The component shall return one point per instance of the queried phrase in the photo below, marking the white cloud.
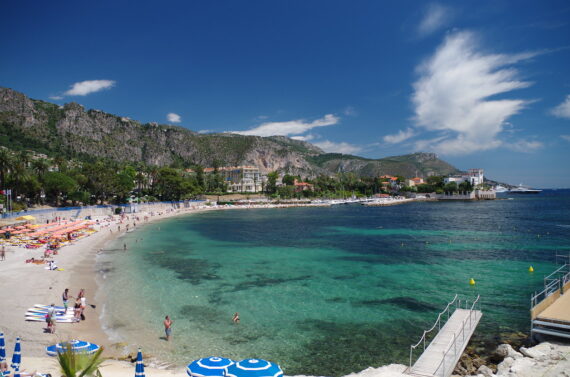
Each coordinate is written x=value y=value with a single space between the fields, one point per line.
x=399 y=137
x=206 y=131
x=562 y=110
x=56 y=98
x=524 y=146
x=292 y=127
x=84 y=88
x=342 y=147
x=307 y=137
x=452 y=94
x=434 y=18
x=565 y=137
x=173 y=118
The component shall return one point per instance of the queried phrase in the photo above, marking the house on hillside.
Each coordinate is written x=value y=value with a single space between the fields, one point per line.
x=414 y=181
x=302 y=186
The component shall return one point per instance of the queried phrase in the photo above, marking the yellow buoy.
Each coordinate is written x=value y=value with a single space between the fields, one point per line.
x=530 y=269
x=472 y=281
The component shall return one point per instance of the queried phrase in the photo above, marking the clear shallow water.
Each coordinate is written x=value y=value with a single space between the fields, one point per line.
x=328 y=291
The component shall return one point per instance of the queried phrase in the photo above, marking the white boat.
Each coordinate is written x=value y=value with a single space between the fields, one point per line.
x=524 y=190
x=500 y=188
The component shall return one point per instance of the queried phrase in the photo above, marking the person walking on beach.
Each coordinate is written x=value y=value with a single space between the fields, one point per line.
x=50 y=319
x=3 y=253
x=65 y=298
x=168 y=327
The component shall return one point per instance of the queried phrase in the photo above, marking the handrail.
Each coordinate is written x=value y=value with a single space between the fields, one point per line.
x=437 y=321
x=456 y=335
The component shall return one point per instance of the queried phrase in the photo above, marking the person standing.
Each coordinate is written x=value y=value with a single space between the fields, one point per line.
x=50 y=319
x=3 y=253
x=65 y=298
x=168 y=327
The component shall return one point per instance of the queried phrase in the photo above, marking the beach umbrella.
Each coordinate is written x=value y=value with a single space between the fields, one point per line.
x=2 y=348
x=16 y=358
x=253 y=368
x=77 y=346
x=208 y=367
x=139 y=369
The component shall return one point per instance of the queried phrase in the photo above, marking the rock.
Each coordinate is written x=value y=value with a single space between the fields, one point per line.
x=485 y=371
x=504 y=367
x=533 y=353
x=506 y=350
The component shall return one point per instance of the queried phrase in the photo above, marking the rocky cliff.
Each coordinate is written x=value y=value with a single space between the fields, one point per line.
x=76 y=132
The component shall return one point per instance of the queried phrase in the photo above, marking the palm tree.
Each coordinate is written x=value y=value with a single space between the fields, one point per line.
x=74 y=364
x=6 y=164
x=40 y=166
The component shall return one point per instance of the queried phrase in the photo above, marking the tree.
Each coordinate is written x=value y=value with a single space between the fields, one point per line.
x=200 y=177
x=465 y=186
x=450 y=187
x=288 y=180
x=271 y=186
x=74 y=364
x=435 y=180
x=58 y=184
x=6 y=164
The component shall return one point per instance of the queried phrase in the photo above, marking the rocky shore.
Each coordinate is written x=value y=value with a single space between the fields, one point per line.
x=547 y=359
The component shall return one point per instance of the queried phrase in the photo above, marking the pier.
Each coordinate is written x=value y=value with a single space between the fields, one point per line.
x=550 y=308
x=449 y=339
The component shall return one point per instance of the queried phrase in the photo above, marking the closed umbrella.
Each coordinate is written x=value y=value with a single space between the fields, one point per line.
x=254 y=368
x=16 y=358
x=2 y=348
x=208 y=367
x=77 y=346
x=139 y=368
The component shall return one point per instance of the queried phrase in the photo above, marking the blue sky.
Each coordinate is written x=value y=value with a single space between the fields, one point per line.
x=481 y=83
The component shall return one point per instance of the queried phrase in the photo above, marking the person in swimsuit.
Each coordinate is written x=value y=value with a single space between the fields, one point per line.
x=236 y=317
x=168 y=327
x=77 y=309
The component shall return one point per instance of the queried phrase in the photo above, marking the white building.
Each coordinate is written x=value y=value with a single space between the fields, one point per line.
x=474 y=176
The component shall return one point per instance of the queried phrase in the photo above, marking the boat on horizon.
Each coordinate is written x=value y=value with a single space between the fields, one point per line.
x=524 y=190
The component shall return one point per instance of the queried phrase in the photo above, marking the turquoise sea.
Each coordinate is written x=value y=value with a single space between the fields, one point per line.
x=328 y=291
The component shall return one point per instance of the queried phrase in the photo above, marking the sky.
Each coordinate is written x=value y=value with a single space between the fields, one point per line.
x=484 y=84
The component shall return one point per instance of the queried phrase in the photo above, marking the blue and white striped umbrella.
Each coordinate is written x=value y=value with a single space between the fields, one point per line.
x=208 y=367
x=77 y=346
x=253 y=368
x=2 y=348
x=139 y=368
x=16 y=358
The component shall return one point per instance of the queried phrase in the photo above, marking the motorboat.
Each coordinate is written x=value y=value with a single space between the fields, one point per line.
x=524 y=190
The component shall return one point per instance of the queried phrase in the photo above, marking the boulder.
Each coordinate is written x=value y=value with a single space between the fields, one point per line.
x=506 y=350
x=485 y=371
x=533 y=353
x=504 y=367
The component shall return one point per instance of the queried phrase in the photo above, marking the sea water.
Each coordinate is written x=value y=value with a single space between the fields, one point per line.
x=328 y=291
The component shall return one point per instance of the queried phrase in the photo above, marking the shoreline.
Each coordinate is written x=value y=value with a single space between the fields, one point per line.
x=81 y=271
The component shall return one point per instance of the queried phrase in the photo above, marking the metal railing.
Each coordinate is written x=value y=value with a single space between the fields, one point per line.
x=459 y=336
x=552 y=284
x=437 y=323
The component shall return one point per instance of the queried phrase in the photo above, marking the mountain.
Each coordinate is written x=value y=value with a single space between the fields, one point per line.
x=75 y=132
